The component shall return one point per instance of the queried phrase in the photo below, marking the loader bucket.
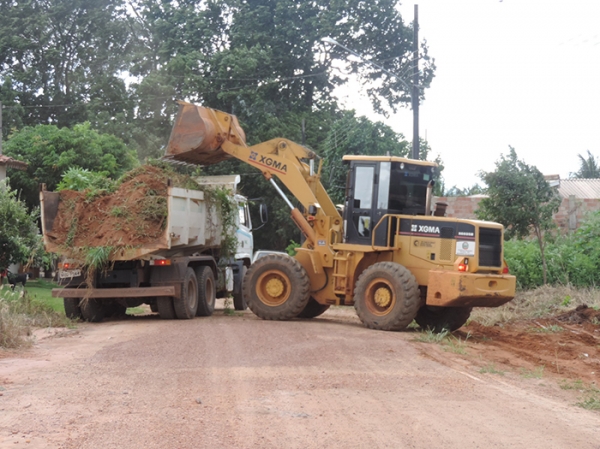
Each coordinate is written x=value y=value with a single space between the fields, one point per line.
x=198 y=133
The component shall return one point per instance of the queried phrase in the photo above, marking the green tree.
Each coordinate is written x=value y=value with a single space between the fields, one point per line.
x=352 y=135
x=521 y=199
x=50 y=151
x=588 y=168
x=18 y=229
x=59 y=55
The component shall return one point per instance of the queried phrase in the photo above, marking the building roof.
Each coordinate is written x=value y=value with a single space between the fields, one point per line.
x=579 y=188
x=12 y=163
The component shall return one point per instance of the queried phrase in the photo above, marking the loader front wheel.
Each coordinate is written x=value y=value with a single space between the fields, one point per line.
x=438 y=319
x=313 y=309
x=187 y=304
x=276 y=287
x=386 y=297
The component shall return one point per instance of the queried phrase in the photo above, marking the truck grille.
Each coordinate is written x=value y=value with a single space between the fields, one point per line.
x=490 y=247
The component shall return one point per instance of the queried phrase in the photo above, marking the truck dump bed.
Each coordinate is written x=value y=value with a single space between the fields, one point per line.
x=191 y=224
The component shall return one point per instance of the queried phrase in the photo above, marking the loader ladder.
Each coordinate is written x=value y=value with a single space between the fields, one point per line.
x=342 y=267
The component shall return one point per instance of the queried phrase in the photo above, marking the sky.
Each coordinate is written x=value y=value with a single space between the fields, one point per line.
x=524 y=73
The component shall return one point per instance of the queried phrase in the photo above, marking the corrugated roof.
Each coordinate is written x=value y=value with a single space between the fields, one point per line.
x=580 y=188
x=12 y=163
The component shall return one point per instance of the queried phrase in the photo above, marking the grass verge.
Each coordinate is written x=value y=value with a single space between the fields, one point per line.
x=20 y=312
x=543 y=302
x=445 y=338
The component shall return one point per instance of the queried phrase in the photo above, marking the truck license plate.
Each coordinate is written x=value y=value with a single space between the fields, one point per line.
x=69 y=274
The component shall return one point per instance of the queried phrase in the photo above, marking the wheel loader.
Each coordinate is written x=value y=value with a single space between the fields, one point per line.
x=384 y=251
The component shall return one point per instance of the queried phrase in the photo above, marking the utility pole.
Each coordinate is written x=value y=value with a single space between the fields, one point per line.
x=415 y=85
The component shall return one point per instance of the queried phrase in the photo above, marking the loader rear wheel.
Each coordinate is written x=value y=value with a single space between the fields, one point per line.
x=187 y=304
x=386 y=297
x=239 y=302
x=437 y=319
x=93 y=310
x=207 y=293
x=276 y=287
x=72 y=308
x=313 y=309
x=164 y=305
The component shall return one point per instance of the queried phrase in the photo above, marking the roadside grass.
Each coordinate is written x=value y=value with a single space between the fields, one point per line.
x=491 y=369
x=20 y=312
x=40 y=290
x=535 y=373
x=445 y=338
x=590 y=393
x=543 y=302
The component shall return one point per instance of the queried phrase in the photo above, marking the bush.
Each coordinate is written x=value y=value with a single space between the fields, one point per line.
x=572 y=259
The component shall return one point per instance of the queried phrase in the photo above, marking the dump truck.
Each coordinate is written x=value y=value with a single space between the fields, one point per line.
x=179 y=274
x=385 y=252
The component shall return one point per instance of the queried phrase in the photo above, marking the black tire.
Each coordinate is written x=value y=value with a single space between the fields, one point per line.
x=116 y=310
x=72 y=308
x=276 y=287
x=239 y=302
x=164 y=305
x=93 y=310
x=437 y=319
x=313 y=309
x=207 y=291
x=187 y=304
x=386 y=297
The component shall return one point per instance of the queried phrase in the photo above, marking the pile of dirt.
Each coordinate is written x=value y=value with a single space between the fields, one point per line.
x=134 y=215
x=566 y=345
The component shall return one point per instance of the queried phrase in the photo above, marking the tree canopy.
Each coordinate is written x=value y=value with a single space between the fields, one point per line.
x=520 y=198
x=18 y=228
x=588 y=168
x=50 y=151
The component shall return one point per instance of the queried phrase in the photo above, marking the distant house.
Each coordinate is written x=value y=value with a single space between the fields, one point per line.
x=578 y=197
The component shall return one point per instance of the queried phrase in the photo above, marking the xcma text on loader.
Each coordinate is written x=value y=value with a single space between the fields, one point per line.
x=385 y=254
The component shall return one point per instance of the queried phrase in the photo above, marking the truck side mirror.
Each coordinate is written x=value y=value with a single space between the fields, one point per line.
x=264 y=215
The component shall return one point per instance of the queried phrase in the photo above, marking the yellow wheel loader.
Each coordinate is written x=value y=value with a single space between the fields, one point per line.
x=385 y=252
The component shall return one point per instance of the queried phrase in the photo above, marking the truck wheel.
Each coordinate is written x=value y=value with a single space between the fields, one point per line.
x=207 y=294
x=437 y=319
x=116 y=309
x=386 y=297
x=93 y=310
x=313 y=309
x=187 y=304
x=164 y=305
x=239 y=302
x=276 y=287
x=72 y=309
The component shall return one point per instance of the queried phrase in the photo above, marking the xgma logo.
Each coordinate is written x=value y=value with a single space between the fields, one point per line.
x=267 y=162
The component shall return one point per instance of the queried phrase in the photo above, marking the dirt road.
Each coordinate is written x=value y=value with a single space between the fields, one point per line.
x=240 y=382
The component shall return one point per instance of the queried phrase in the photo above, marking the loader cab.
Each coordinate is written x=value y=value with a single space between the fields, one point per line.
x=380 y=185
